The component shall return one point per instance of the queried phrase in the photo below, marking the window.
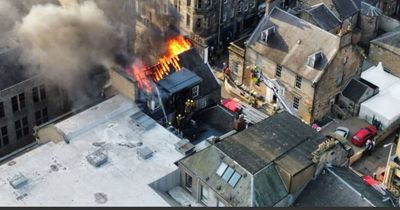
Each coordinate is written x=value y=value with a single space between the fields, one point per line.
x=221 y=169
x=195 y=91
x=199 y=2
x=267 y=33
x=298 y=81
x=187 y=20
x=21 y=128
x=2 y=114
x=188 y=2
x=18 y=102
x=278 y=72
x=188 y=181
x=4 y=136
x=41 y=116
x=296 y=103
x=204 y=194
x=228 y=173
x=234 y=179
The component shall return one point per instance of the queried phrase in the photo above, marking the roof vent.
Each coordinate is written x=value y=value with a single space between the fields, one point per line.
x=314 y=59
x=145 y=153
x=142 y=120
x=97 y=158
x=267 y=33
x=18 y=181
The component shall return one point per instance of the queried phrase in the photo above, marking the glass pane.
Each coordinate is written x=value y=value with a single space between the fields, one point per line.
x=221 y=169
x=228 y=173
x=235 y=179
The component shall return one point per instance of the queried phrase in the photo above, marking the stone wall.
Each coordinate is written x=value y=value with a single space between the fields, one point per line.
x=389 y=59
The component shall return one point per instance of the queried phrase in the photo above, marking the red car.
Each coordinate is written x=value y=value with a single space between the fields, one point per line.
x=362 y=135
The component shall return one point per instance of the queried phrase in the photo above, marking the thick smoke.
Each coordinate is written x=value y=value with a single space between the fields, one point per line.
x=69 y=45
x=8 y=15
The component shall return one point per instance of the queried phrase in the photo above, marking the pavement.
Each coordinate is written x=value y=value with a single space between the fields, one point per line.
x=353 y=124
x=368 y=165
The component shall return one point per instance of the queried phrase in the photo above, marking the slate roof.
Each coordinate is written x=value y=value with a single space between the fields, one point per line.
x=355 y=90
x=179 y=80
x=369 y=10
x=328 y=191
x=343 y=9
x=389 y=41
x=193 y=62
x=324 y=17
x=11 y=71
x=279 y=141
x=281 y=138
x=293 y=42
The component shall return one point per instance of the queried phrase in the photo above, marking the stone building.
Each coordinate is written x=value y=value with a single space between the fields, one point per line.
x=312 y=65
x=386 y=49
x=390 y=7
x=26 y=101
x=213 y=24
x=254 y=168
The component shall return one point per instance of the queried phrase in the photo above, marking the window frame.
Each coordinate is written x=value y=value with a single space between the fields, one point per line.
x=196 y=91
x=2 y=111
x=188 y=179
x=298 y=82
x=296 y=103
x=278 y=71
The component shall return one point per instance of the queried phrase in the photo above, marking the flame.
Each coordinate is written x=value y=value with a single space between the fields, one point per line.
x=139 y=73
x=175 y=46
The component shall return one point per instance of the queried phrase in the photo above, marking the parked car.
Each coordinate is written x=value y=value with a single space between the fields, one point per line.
x=362 y=135
x=342 y=131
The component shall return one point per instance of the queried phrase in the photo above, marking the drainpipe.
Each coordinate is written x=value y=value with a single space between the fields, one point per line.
x=219 y=22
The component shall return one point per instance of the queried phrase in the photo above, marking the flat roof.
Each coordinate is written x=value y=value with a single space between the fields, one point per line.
x=59 y=175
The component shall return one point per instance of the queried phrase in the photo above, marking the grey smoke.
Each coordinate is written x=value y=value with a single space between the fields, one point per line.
x=67 y=44
x=8 y=15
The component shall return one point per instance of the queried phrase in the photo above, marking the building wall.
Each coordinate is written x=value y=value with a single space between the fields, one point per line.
x=345 y=65
x=288 y=79
x=215 y=23
x=389 y=59
x=54 y=103
x=390 y=7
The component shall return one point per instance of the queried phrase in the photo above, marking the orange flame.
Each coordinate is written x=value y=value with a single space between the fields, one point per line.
x=175 y=46
x=139 y=73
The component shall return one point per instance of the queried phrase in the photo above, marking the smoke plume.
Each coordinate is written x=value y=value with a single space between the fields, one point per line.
x=69 y=45
x=8 y=15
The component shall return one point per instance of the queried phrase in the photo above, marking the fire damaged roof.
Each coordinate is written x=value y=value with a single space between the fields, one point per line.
x=10 y=70
x=281 y=141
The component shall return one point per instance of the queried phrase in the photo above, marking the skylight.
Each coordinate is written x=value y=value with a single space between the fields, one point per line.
x=234 y=179
x=221 y=169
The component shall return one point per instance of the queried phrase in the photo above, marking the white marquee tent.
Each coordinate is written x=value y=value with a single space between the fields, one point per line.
x=385 y=106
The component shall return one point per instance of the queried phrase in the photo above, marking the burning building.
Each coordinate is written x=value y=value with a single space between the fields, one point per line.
x=174 y=89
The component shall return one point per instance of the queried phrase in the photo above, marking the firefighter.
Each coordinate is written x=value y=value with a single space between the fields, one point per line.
x=179 y=119
x=370 y=145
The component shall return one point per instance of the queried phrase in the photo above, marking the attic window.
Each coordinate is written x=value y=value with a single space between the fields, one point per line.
x=314 y=59
x=267 y=34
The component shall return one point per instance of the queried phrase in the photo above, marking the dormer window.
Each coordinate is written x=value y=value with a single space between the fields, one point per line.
x=315 y=59
x=267 y=33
